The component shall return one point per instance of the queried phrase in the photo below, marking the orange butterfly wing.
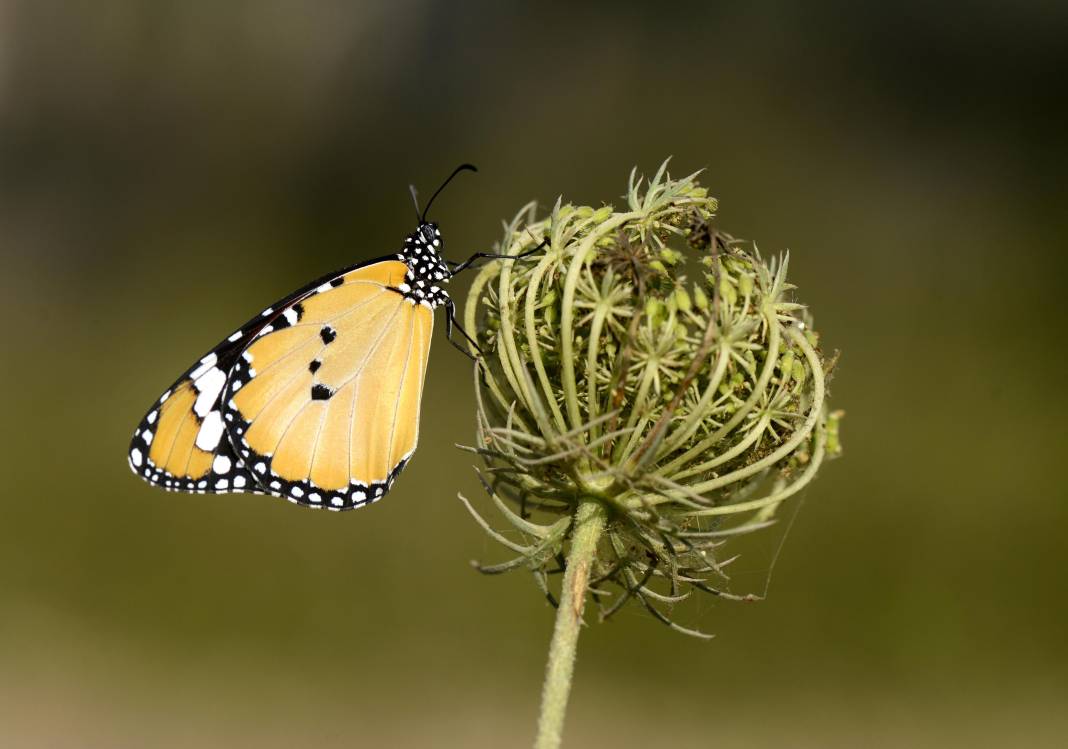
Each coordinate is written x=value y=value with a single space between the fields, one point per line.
x=323 y=406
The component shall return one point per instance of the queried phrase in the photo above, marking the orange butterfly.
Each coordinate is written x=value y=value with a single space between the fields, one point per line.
x=316 y=399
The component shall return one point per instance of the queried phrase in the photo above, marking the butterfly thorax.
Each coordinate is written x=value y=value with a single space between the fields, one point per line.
x=426 y=268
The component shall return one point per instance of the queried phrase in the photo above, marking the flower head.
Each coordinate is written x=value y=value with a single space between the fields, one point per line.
x=653 y=363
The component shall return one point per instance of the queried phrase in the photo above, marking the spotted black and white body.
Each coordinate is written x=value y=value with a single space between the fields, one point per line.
x=315 y=399
x=426 y=268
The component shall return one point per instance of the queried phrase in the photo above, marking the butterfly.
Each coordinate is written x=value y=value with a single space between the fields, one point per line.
x=316 y=399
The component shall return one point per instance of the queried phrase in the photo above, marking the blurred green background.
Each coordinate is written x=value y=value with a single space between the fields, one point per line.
x=167 y=169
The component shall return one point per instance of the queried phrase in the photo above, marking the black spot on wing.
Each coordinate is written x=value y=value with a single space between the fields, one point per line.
x=313 y=365
x=320 y=392
x=328 y=334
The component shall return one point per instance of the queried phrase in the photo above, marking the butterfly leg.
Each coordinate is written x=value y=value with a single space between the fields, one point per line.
x=493 y=255
x=450 y=321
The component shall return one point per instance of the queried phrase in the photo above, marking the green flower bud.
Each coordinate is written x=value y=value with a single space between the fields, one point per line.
x=602 y=383
x=745 y=284
x=682 y=299
x=654 y=310
x=602 y=213
x=669 y=256
x=700 y=299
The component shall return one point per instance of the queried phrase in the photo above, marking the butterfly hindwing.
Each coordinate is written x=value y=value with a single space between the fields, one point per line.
x=323 y=405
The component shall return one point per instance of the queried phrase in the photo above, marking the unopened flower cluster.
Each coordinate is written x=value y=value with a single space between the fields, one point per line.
x=644 y=358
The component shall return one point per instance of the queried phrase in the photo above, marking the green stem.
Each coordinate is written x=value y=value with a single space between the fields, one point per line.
x=589 y=525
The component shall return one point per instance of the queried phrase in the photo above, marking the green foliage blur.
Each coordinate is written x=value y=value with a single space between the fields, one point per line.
x=167 y=169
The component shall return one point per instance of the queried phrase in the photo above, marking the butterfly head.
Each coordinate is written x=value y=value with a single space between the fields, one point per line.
x=428 y=232
x=424 y=244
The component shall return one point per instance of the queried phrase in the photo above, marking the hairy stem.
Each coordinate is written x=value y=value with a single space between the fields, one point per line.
x=589 y=525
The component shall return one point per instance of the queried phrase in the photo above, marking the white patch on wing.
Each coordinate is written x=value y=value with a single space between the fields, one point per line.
x=234 y=337
x=208 y=387
x=205 y=364
x=239 y=481
x=290 y=315
x=135 y=456
x=210 y=432
x=221 y=464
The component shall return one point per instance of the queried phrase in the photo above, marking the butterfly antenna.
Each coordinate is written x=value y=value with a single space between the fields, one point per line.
x=457 y=170
x=415 y=202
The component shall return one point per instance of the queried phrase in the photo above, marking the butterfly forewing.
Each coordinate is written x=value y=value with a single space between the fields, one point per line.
x=181 y=442
x=323 y=405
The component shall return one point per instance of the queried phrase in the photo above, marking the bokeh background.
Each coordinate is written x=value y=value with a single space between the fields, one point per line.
x=167 y=169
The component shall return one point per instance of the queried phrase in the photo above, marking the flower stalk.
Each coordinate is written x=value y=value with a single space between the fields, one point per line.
x=589 y=524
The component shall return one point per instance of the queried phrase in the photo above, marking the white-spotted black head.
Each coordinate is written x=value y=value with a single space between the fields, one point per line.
x=429 y=232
